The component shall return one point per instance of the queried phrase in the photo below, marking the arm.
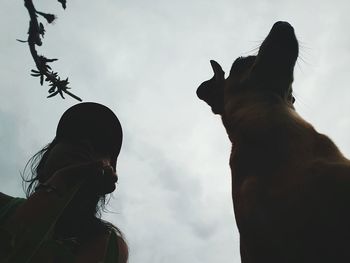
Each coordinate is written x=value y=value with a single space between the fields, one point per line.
x=34 y=221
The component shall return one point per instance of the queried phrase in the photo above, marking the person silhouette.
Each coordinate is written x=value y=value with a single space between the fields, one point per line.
x=66 y=192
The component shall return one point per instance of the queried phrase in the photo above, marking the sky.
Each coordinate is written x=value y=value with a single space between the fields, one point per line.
x=145 y=60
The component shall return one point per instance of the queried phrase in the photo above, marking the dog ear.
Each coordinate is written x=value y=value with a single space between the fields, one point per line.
x=212 y=91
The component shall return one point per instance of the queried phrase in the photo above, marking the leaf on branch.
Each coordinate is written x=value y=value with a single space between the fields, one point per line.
x=49 y=17
x=35 y=73
x=41 y=29
x=22 y=41
x=53 y=94
x=63 y=2
x=51 y=59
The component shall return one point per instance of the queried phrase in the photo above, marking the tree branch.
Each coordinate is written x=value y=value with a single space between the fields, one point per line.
x=43 y=70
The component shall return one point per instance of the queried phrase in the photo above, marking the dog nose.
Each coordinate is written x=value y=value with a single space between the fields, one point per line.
x=282 y=32
x=282 y=26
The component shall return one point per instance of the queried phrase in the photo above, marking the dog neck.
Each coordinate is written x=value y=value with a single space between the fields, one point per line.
x=263 y=130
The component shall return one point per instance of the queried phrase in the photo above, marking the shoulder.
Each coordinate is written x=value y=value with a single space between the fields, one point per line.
x=108 y=246
x=117 y=248
x=8 y=206
x=123 y=249
x=4 y=199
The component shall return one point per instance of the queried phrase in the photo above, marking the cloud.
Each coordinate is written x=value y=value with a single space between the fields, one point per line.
x=9 y=159
x=145 y=59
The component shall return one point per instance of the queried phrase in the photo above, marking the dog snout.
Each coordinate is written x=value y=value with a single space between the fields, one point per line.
x=282 y=24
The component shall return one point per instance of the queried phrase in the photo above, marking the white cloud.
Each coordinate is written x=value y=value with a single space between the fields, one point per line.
x=145 y=60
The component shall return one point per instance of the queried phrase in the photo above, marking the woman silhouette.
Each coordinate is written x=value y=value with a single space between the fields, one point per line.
x=70 y=178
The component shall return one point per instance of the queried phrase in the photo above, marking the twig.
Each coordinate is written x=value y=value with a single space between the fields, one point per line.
x=43 y=70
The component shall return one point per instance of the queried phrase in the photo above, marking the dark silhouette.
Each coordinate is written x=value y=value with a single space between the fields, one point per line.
x=66 y=190
x=290 y=184
x=43 y=70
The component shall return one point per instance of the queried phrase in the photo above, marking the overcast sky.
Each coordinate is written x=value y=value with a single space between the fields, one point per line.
x=145 y=59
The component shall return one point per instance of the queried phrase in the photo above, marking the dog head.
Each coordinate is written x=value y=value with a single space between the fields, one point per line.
x=269 y=72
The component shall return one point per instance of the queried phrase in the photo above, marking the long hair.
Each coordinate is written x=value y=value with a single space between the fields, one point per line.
x=36 y=175
x=85 y=122
x=33 y=174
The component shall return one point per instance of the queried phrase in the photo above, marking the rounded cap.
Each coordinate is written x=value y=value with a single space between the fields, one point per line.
x=92 y=122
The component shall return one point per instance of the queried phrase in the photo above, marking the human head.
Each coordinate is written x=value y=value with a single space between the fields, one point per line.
x=94 y=123
x=86 y=122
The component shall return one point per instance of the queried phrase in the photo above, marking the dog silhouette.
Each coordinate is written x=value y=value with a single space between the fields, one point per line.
x=290 y=184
